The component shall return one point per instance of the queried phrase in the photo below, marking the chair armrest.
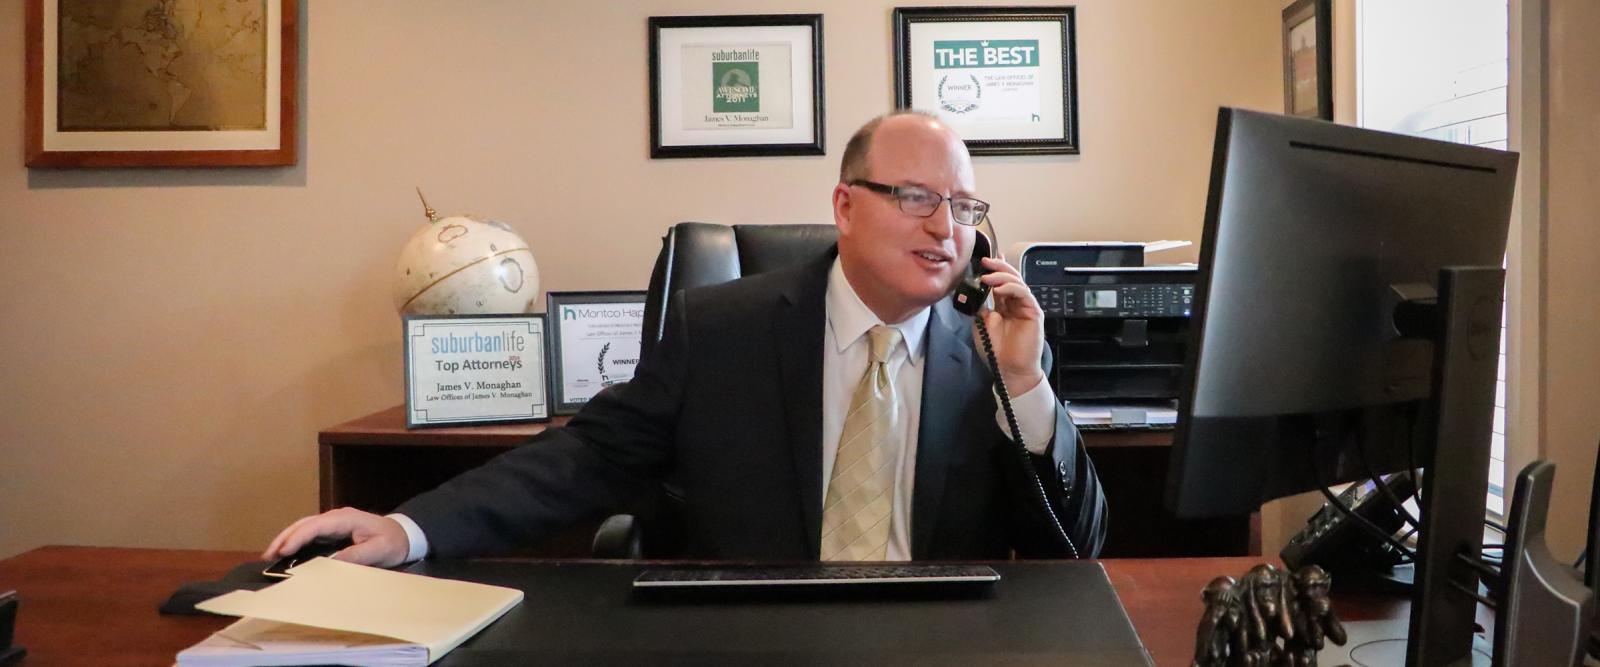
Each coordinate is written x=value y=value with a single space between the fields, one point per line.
x=9 y=654
x=618 y=538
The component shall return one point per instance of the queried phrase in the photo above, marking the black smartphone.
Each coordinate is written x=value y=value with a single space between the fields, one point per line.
x=279 y=569
x=970 y=292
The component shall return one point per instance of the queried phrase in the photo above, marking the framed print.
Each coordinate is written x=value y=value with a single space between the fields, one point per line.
x=474 y=369
x=161 y=83
x=1005 y=78
x=1308 y=59
x=732 y=86
x=594 y=343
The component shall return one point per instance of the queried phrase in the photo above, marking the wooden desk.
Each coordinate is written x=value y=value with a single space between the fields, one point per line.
x=374 y=463
x=97 y=606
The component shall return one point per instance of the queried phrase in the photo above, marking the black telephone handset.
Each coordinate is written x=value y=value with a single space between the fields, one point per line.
x=969 y=297
x=970 y=292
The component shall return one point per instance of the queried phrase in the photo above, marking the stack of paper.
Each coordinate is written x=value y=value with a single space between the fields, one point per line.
x=1158 y=246
x=252 y=641
x=331 y=611
x=1107 y=414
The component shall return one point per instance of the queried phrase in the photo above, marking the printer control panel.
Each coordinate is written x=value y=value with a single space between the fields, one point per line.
x=1142 y=301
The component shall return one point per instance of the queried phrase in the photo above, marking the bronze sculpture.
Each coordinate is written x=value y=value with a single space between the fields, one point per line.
x=1221 y=632
x=1266 y=601
x=1270 y=618
x=1313 y=616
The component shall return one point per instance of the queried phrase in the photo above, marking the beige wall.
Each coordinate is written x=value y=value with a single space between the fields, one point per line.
x=1571 y=313
x=172 y=340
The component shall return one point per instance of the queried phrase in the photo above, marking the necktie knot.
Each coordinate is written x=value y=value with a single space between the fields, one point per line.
x=883 y=339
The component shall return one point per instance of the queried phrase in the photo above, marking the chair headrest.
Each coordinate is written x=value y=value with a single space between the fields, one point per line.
x=764 y=248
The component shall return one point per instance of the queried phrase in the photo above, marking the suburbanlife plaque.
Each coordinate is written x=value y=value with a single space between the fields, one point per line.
x=737 y=86
x=475 y=369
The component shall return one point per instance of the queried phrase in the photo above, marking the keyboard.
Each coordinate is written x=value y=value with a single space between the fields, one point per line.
x=882 y=580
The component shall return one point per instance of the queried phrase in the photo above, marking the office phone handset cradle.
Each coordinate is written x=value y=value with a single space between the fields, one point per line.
x=969 y=297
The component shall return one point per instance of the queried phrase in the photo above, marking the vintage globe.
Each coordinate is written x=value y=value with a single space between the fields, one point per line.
x=464 y=265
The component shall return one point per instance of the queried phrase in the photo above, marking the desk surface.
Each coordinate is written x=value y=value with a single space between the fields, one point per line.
x=84 y=605
x=582 y=613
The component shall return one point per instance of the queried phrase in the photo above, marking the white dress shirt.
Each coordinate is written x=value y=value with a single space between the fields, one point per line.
x=844 y=361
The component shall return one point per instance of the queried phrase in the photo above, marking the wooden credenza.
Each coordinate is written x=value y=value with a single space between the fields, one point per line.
x=374 y=463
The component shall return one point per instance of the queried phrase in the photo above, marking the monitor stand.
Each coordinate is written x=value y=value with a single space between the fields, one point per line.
x=1464 y=324
x=1545 y=613
x=1462 y=319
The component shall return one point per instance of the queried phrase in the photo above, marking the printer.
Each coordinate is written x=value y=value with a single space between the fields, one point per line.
x=1118 y=328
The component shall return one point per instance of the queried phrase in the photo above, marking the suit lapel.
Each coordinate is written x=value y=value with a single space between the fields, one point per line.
x=798 y=334
x=945 y=382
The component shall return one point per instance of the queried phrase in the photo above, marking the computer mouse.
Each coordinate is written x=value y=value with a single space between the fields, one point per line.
x=321 y=546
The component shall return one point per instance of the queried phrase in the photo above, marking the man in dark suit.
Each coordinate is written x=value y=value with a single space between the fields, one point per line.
x=838 y=410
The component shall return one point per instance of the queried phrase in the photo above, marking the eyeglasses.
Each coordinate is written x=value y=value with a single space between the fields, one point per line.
x=922 y=202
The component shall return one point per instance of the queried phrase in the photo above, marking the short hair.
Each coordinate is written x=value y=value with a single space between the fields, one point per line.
x=854 y=165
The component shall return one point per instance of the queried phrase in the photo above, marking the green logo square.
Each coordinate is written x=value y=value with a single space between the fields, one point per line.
x=735 y=86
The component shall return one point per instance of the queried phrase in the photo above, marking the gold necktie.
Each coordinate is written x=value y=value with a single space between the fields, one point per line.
x=855 y=515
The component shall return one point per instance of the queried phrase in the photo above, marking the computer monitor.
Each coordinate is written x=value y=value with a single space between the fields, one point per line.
x=1317 y=341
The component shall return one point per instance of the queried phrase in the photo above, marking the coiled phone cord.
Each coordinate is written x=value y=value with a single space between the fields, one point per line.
x=1016 y=436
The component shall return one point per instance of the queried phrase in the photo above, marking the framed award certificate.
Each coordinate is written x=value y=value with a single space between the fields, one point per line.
x=731 y=86
x=466 y=369
x=594 y=343
x=1004 y=78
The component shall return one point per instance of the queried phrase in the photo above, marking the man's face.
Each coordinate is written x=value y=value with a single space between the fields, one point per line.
x=900 y=263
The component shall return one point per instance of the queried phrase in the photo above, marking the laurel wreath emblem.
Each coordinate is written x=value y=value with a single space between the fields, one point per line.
x=962 y=108
x=600 y=364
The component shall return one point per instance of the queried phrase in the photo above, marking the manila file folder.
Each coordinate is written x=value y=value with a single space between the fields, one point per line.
x=438 y=614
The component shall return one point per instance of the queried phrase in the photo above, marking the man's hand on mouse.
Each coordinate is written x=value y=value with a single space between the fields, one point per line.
x=379 y=541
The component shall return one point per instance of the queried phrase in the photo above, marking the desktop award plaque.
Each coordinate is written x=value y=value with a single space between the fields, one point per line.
x=469 y=369
x=594 y=343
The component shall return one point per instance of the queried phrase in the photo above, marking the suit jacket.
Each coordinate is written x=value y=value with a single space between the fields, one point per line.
x=730 y=403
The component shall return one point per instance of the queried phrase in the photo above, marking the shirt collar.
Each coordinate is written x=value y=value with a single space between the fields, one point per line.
x=850 y=318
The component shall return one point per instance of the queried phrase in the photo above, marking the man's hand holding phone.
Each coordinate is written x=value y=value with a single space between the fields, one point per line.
x=1016 y=326
x=376 y=540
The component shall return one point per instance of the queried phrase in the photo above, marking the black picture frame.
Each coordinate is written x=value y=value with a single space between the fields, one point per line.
x=542 y=359
x=1320 y=12
x=560 y=402
x=663 y=140
x=906 y=96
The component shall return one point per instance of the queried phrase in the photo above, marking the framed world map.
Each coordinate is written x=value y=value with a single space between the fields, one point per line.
x=161 y=83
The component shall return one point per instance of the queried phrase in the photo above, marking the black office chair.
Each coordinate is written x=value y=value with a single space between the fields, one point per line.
x=694 y=254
